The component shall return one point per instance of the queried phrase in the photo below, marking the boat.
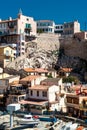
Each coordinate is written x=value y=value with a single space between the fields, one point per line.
x=28 y=120
x=74 y=126
x=48 y=119
x=66 y=126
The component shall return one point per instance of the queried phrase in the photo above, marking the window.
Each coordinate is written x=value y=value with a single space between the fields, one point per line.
x=27 y=25
x=46 y=29
x=44 y=94
x=11 y=51
x=69 y=100
x=15 y=30
x=22 y=43
x=22 y=48
x=14 y=99
x=31 y=93
x=7 y=53
x=21 y=98
x=27 y=19
x=22 y=53
x=37 y=93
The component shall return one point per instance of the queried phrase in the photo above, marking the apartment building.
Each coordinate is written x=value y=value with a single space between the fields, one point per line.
x=17 y=32
x=58 y=28
x=77 y=104
x=45 y=26
x=49 y=26
x=71 y=27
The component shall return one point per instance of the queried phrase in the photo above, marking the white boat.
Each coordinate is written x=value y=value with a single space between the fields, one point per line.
x=66 y=126
x=28 y=120
x=74 y=126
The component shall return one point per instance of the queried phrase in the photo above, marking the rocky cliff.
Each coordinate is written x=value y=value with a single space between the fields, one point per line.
x=42 y=53
x=74 y=47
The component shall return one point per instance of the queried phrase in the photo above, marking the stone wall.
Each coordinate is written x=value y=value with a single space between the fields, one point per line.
x=48 y=41
x=74 y=47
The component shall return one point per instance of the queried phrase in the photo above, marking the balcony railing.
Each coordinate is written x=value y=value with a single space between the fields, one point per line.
x=11 y=26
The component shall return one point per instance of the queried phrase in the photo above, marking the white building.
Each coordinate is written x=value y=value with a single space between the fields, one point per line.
x=18 y=31
x=43 y=97
x=45 y=26
x=58 y=28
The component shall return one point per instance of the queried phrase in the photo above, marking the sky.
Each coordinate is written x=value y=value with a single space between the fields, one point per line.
x=59 y=11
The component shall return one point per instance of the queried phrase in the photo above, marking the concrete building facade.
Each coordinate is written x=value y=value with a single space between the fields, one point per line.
x=71 y=27
x=45 y=26
x=18 y=31
x=58 y=28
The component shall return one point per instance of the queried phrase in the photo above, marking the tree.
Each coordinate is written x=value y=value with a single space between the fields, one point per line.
x=71 y=79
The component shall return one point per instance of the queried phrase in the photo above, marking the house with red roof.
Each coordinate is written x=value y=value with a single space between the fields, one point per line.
x=41 y=98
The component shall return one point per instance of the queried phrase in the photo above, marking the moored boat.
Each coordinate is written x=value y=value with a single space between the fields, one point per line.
x=28 y=120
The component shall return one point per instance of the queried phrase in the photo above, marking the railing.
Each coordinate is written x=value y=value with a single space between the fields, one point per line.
x=8 y=33
x=11 y=26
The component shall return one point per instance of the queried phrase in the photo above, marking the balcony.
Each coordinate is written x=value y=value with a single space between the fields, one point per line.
x=11 y=25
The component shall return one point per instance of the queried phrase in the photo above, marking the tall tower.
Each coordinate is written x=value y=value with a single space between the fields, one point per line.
x=20 y=13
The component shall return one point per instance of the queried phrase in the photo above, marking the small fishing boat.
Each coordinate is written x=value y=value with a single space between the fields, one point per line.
x=28 y=120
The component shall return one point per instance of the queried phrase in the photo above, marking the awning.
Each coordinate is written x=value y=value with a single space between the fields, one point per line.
x=41 y=103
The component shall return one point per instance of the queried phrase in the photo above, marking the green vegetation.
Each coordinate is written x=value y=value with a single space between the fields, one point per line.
x=71 y=79
x=49 y=76
x=39 y=31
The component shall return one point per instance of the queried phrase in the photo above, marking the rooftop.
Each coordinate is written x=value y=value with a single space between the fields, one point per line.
x=6 y=46
x=66 y=69
x=44 y=21
x=4 y=21
x=38 y=70
x=51 y=80
x=12 y=76
x=30 y=78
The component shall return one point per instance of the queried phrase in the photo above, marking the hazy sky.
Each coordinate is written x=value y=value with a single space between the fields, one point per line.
x=59 y=11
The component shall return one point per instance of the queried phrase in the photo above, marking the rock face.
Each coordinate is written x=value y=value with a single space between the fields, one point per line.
x=74 y=48
x=35 y=57
x=47 y=52
x=48 y=41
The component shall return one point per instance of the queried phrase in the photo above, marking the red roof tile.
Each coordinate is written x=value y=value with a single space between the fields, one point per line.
x=30 y=78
